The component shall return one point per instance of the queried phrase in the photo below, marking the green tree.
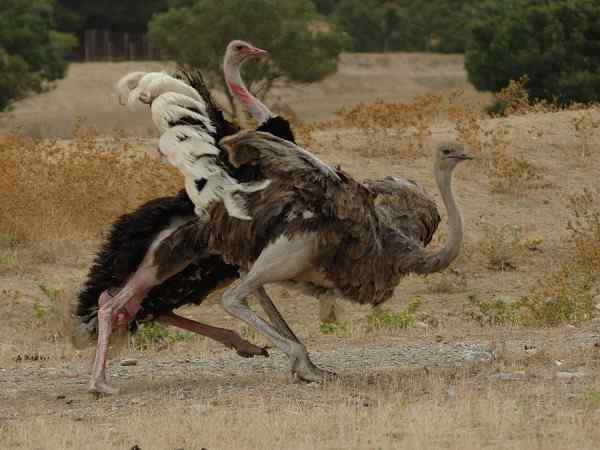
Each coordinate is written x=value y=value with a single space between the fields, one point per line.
x=407 y=25
x=301 y=46
x=556 y=43
x=32 y=53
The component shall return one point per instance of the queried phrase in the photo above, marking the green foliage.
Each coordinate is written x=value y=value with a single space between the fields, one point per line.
x=385 y=319
x=407 y=25
x=497 y=311
x=32 y=53
x=301 y=48
x=333 y=328
x=556 y=43
x=153 y=335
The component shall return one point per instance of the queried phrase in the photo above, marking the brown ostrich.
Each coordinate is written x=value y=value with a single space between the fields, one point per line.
x=308 y=225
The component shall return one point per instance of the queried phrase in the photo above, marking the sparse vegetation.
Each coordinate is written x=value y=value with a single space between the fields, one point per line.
x=497 y=311
x=154 y=336
x=569 y=294
x=388 y=320
x=448 y=282
x=502 y=246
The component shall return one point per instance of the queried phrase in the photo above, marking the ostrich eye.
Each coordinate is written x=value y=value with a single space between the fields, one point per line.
x=239 y=47
x=446 y=152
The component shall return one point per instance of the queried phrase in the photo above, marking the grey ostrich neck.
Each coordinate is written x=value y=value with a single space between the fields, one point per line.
x=441 y=259
x=238 y=89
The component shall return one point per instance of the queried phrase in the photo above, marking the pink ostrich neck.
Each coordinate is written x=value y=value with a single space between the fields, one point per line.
x=238 y=89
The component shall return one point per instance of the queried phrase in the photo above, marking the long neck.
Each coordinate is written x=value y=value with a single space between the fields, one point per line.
x=441 y=259
x=238 y=89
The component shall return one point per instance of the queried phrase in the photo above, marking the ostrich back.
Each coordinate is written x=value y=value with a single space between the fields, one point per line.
x=406 y=207
x=359 y=252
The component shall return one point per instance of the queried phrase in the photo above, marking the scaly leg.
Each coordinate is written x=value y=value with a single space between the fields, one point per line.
x=274 y=315
x=118 y=310
x=280 y=261
x=226 y=337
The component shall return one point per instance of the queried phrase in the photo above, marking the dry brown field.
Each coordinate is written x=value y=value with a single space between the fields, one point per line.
x=502 y=351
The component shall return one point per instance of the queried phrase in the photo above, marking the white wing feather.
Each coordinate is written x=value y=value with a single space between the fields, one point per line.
x=171 y=107
x=194 y=153
x=190 y=148
x=127 y=84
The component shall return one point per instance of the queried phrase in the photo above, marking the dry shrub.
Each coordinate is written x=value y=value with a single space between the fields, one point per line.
x=570 y=294
x=502 y=246
x=585 y=228
x=467 y=121
x=511 y=174
x=448 y=282
x=389 y=129
x=51 y=190
x=514 y=100
x=584 y=127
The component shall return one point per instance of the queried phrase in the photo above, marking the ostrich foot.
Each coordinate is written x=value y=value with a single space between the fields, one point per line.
x=250 y=351
x=101 y=387
x=303 y=369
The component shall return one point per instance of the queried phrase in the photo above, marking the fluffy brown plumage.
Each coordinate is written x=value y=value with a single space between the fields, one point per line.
x=361 y=229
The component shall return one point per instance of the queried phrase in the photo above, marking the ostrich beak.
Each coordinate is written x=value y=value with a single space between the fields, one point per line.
x=256 y=52
x=463 y=157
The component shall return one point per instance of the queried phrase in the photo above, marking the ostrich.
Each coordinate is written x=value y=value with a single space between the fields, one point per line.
x=308 y=226
x=134 y=234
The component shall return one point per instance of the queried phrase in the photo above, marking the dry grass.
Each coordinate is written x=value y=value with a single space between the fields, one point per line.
x=527 y=269
x=418 y=411
x=55 y=193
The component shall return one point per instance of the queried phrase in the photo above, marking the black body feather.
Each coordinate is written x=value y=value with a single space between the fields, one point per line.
x=123 y=251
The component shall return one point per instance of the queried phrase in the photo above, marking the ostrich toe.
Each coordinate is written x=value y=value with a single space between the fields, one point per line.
x=102 y=387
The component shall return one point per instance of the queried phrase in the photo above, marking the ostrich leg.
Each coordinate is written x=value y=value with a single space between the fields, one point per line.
x=273 y=313
x=119 y=310
x=226 y=337
x=283 y=260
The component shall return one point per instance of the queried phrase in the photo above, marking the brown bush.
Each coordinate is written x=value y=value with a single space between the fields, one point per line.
x=51 y=189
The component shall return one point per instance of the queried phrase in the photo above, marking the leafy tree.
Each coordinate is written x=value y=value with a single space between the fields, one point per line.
x=32 y=53
x=301 y=47
x=556 y=43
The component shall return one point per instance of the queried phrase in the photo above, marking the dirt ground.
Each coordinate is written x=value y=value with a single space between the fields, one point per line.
x=454 y=373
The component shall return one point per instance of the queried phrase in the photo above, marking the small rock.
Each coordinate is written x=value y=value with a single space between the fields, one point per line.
x=61 y=397
x=200 y=408
x=129 y=362
x=451 y=392
x=570 y=375
x=509 y=376
x=558 y=363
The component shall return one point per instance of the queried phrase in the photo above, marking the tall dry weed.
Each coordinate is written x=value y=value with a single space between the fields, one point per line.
x=55 y=191
x=570 y=293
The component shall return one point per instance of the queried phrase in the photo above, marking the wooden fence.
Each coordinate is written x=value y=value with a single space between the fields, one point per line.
x=105 y=45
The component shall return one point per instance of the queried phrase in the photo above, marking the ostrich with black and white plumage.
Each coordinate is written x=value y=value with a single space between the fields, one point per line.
x=133 y=235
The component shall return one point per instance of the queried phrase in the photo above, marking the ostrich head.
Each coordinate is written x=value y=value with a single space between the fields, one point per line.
x=238 y=52
x=448 y=155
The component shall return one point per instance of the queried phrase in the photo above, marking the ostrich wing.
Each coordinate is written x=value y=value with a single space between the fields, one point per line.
x=222 y=125
x=171 y=109
x=405 y=207
x=281 y=156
